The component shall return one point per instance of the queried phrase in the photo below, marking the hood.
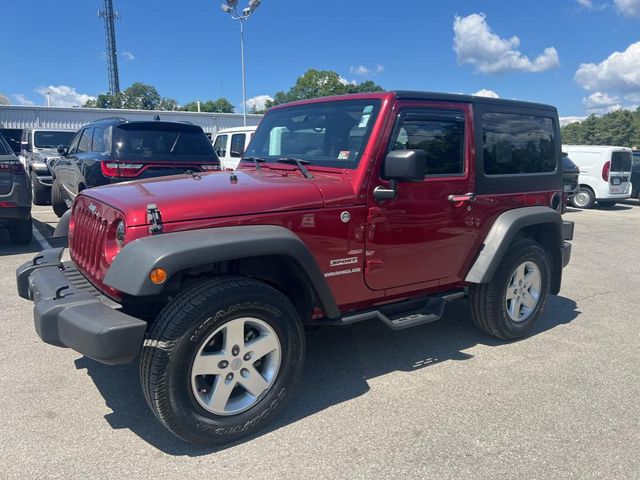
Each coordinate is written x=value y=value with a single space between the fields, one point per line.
x=45 y=153
x=225 y=194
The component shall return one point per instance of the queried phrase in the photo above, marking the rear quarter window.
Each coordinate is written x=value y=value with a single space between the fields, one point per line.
x=518 y=144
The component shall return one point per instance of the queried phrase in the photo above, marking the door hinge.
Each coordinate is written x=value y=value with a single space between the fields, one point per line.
x=154 y=218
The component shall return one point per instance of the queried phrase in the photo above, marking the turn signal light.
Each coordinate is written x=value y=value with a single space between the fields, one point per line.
x=158 y=276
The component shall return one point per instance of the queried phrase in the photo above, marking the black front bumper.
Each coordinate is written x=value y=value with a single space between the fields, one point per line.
x=70 y=312
x=567 y=234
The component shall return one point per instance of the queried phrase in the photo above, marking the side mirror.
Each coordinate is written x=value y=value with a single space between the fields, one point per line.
x=62 y=150
x=24 y=146
x=401 y=166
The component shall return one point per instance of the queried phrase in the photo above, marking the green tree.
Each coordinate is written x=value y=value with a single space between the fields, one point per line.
x=168 y=104
x=221 y=105
x=140 y=96
x=320 y=83
x=4 y=100
x=620 y=128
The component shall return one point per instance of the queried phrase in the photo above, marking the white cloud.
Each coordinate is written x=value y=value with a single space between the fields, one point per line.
x=588 y=4
x=618 y=73
x=258 y=102
x=629 y=8
x=475 y=44
x=570 y=119
x=344 y=81
x=364 y=71
x=22 y=99
x=600 y=102
x=64 y=96
x=128 y=55
x=486 y=93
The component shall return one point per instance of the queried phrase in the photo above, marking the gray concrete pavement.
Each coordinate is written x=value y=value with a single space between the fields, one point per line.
x=437 y=401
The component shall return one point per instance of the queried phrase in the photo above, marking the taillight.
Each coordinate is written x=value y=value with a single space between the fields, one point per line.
x=605 y=171
x=13 y=167
x=117 y=169
x=8 y=204
x=210 y=167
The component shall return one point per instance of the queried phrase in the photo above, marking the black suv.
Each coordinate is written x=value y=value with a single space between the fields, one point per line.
x=115 y=150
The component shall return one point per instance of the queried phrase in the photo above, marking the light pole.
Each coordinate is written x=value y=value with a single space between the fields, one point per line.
x=231 y=7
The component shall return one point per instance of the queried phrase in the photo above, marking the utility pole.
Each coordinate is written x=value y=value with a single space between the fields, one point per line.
x=110 y=16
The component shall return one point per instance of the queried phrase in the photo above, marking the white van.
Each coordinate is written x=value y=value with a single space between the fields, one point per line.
x=605 y=174
x=230 y=144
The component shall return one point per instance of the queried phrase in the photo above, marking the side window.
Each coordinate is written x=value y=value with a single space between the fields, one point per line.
x=518 y=144
x=85 y=141
x=439 y=133
x=73 y=144
x=220 y=146
x=237 y=144
x=101 y=140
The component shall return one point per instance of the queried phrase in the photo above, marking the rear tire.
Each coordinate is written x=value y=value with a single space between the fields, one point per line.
x=57 y=200
x=583 y=198
x=510 y=304
x=21 y=232
x=39 y=192
x=219 y=326
x=605 y=204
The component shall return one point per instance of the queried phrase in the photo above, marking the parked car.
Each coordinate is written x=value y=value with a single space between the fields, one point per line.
x=115 y=150
x=13 y=136
x=605 y=174
x=570 y=175
x=381 y=206
x=15 y=196
x=230 y=144
x=38 y=146
x=635 y=175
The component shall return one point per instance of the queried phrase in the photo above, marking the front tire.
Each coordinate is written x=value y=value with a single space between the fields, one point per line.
x=39 y=192
x=221 y=359
x=510 y=304
x=57 y=200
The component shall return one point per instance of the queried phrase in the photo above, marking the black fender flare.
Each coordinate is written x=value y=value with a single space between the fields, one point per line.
x=503 y=232
x=179 y=251
x=62 y=228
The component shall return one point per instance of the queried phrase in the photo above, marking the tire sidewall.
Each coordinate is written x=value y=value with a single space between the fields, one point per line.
x=201 y=423
x=586 y=191
x=533 y=253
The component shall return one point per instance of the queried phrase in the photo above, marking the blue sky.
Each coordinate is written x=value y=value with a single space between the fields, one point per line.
x=562 y=54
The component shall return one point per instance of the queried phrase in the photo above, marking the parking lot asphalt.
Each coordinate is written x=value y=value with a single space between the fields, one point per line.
x=437 y=401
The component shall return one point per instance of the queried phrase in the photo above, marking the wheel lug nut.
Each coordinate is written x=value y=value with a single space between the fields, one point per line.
x=247 y=356
x=244 y=372
x=235 y=350
x=223 y=364
x=229 y=377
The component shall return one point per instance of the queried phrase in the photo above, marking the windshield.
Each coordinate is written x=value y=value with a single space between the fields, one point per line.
x=329 y=134
x=163 y=142
x=51 y=139
x=12 y=136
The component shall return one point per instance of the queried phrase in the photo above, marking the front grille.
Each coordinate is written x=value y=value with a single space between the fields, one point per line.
x=87 y=242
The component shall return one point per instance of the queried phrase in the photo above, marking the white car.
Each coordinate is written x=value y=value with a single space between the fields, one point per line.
x=605 y=174
x=230 y=144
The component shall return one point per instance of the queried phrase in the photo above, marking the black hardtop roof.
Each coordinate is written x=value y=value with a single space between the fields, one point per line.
x=454 y=97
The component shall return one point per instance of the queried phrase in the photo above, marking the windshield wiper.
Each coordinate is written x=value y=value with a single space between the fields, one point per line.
x=256 y=160
x=299 y=163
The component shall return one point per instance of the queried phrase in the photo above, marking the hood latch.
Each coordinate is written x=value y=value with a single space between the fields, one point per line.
x=154 y=218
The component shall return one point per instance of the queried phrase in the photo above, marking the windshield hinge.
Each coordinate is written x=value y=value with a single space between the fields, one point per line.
x=154 y=218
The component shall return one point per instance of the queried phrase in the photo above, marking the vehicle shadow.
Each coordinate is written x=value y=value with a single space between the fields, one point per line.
x=331 y=375
x=615 y=208
x=7 y=248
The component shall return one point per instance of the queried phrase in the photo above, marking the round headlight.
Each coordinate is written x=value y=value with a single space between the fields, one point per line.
x=120 y=232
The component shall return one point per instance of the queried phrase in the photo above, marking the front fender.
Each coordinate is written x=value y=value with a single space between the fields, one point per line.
x=179 y=251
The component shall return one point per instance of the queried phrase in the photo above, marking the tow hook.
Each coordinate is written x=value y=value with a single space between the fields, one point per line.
x=154 y=218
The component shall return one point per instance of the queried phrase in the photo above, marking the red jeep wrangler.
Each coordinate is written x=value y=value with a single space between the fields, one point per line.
x=379 y=206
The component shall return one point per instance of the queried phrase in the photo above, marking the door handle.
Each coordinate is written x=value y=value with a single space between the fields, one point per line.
x=467 y=197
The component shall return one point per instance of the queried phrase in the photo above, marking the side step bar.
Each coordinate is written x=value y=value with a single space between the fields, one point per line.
x=405 y=314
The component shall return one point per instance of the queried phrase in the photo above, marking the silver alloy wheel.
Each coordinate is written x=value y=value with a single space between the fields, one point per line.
x=581 y=198
x=523 y=291
x=235 y=366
